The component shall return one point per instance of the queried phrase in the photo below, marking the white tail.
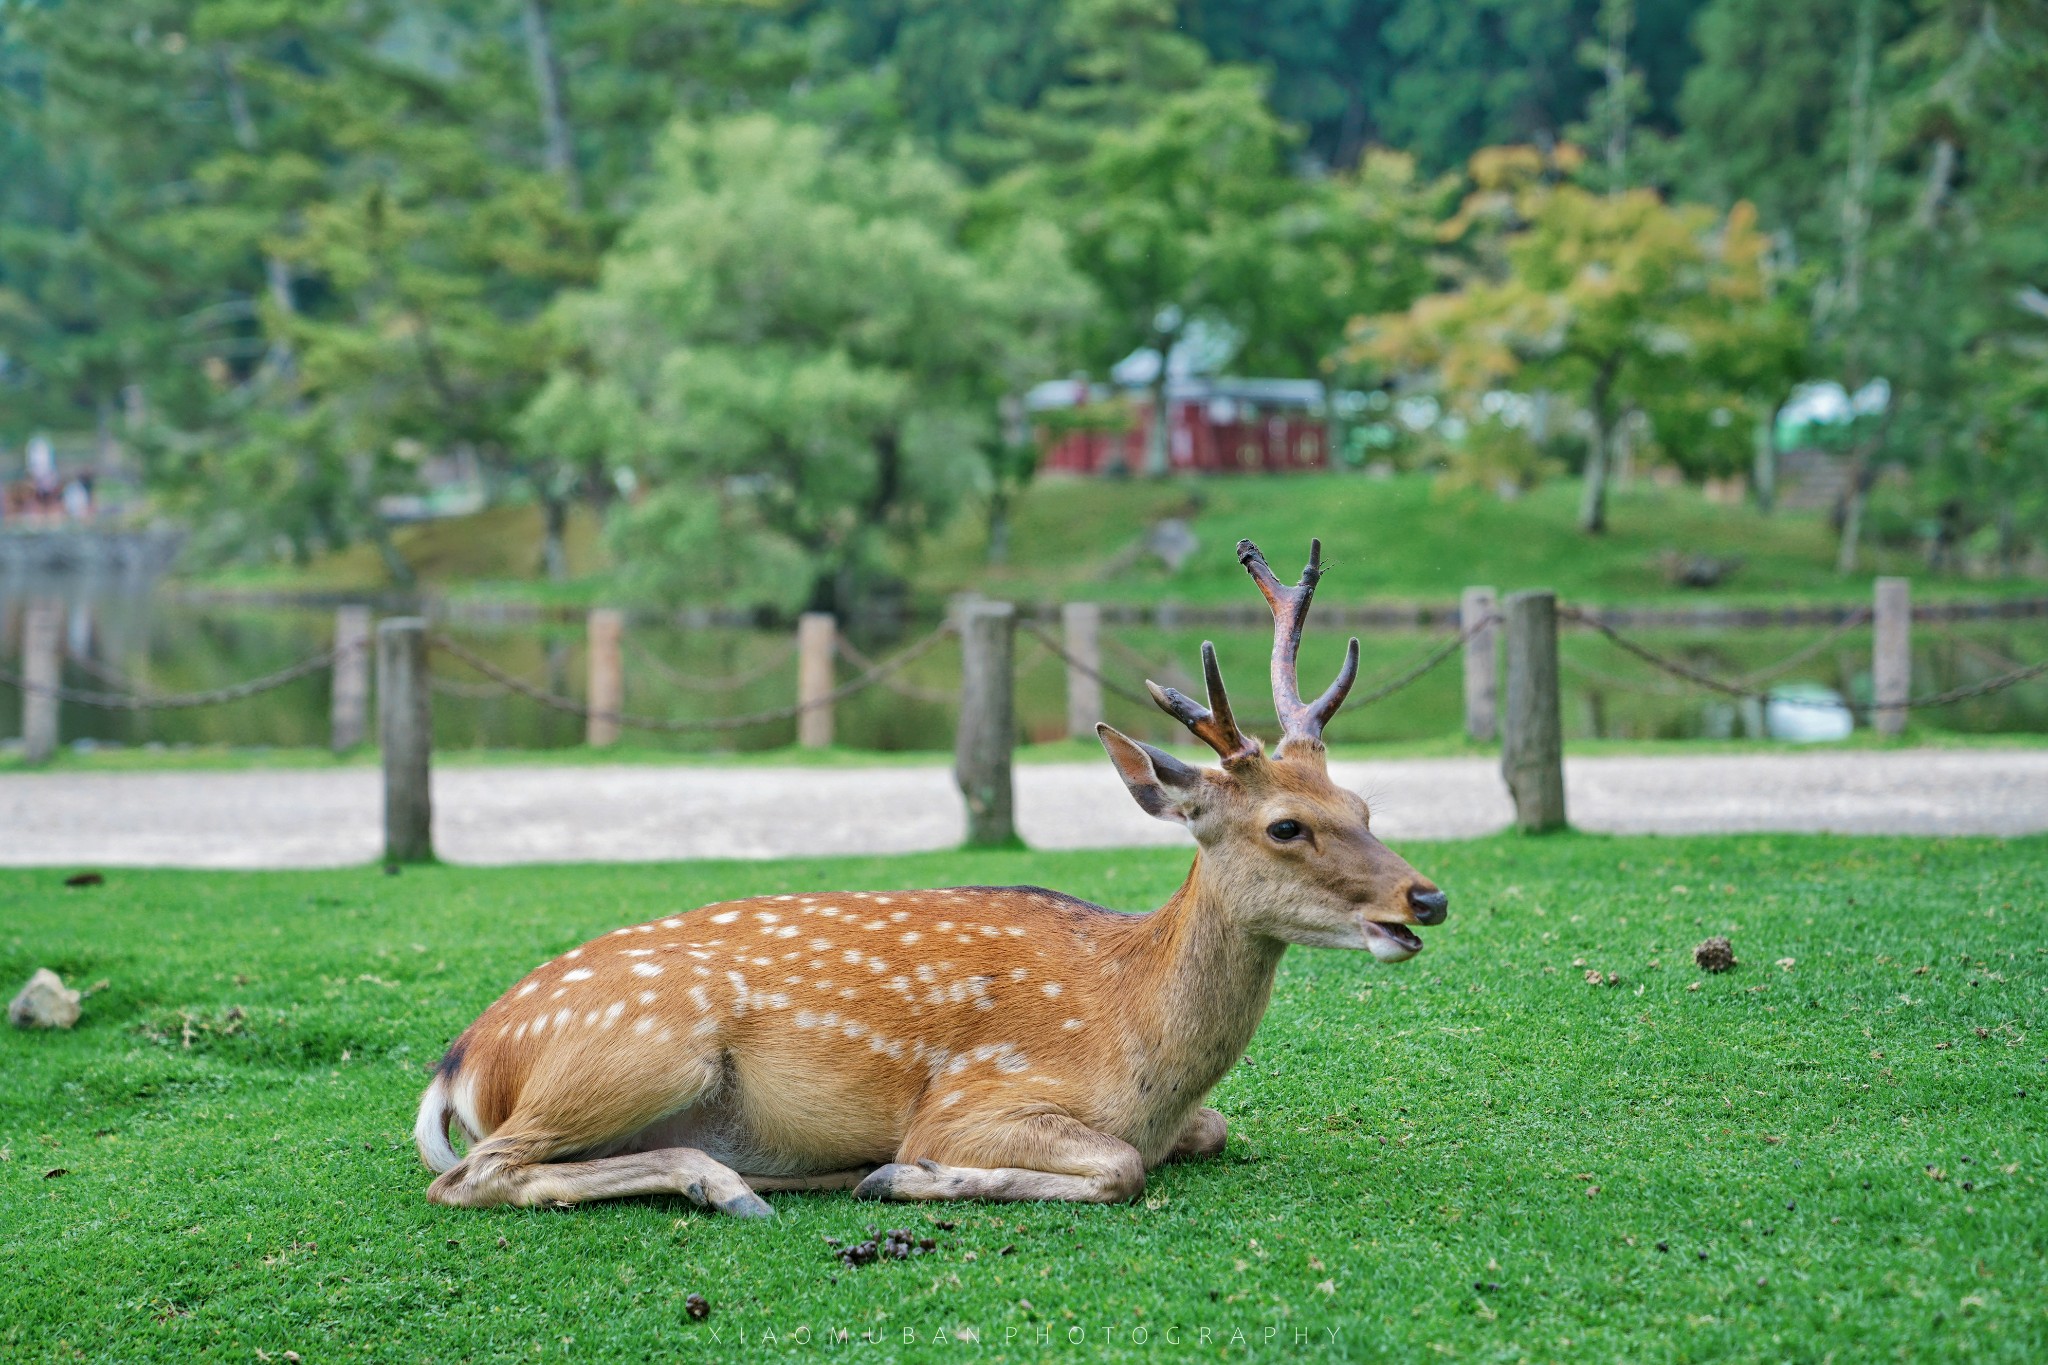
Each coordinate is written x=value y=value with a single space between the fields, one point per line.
x=979 y=1042
x=430 y=1129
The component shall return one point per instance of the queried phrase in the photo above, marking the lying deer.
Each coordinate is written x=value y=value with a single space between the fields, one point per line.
x=978 y=1043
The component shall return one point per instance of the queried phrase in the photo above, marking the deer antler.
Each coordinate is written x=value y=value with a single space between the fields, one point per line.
x=1298 y=719
x=1213 y=724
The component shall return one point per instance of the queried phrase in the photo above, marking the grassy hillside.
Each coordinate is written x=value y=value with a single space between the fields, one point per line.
x=1400 y=539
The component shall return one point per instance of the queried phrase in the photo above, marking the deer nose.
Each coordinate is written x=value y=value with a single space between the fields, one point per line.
x=1430 y=906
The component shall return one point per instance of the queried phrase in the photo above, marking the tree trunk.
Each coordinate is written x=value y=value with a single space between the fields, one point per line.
x=1764 y=474
x=1159 y=436
x=560 y=153
x=277 y=275
x=1853 y=498
x=387 y=550
x=554 y=545
x=999 y=527
x=1593 y=502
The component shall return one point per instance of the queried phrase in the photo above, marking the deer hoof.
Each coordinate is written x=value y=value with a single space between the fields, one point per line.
x=745 y=1204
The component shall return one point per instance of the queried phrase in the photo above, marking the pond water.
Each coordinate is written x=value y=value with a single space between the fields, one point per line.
x=159 y=643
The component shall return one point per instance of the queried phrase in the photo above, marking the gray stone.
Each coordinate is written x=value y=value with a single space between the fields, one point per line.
x=44 y=1003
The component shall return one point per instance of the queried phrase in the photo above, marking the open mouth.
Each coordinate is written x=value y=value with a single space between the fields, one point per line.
x=1391 y=942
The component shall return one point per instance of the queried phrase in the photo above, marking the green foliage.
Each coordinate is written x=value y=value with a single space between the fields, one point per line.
x=796 y=352
x=257 y=1190
x=1621 y=301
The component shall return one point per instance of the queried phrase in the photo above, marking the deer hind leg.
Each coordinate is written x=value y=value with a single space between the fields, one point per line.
x=1203 y=1135
x=503 y=1170
x=1012 y=1155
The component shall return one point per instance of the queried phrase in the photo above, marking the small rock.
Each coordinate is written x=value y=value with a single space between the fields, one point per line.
x=697 y=1307
x=44 y=1003
x=1716 y=954
x=85 y=879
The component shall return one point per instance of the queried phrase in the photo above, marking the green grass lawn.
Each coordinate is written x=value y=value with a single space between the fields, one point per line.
x=1477 y=1155
x=1403 y=538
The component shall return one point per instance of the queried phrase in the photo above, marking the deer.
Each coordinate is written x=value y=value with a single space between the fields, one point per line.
x=975 y=1042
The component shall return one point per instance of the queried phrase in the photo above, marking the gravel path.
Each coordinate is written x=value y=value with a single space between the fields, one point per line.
x=604 y=814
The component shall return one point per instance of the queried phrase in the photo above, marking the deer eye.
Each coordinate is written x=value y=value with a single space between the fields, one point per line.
x=1285 y=830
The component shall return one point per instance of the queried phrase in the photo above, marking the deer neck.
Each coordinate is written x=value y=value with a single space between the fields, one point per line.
x=1198 y=986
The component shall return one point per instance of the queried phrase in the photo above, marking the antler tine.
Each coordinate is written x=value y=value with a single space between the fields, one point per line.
x=1212 y=724
x=1290 y=613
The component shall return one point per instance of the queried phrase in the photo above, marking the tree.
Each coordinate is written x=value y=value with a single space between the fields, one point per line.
x=794 y=354
x=1626 y=302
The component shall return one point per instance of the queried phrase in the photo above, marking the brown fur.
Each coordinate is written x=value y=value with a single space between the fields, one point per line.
x=986 y=1042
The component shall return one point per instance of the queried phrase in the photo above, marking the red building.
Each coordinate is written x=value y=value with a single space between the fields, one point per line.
x=1216 y=425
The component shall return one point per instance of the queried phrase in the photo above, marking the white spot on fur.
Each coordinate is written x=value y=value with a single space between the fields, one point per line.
x=766 y=918
x=562 y=1016
x=1071 y=1024
x=699 y=998
x=613 y=1011
x=580 y=974
x=912 y=937
x=1052 y=989
x=989 y=930
x=636 y=952
x=943 y=926
x=881 y=900
x=671 y=924
x=705 y=1028
x=647 y=969
x=590 y=1019
x=573 y=954
x=1019 y=973
x=558 y=993
x=1014 y=930
x=851 y=955
x=644 y=1024
x=647 y=997
x=725 y=917
x=926 y=974
x=528 y=989
x=519 y=1033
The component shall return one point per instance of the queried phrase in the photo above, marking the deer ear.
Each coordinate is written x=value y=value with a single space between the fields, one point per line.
x=1158 y=781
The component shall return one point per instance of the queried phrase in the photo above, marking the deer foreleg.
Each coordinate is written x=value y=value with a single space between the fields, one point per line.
x=1039 y=1156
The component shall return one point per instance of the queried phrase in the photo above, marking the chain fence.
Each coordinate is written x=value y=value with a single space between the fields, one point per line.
x=902 y=687
x=131 y=700
x=1744 y=689
x=670 y=725
x=730 y=683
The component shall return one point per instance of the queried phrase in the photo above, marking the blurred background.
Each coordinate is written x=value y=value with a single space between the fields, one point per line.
x=717 y=313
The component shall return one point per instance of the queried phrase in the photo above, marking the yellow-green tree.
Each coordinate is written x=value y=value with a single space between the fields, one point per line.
x=1623 y=302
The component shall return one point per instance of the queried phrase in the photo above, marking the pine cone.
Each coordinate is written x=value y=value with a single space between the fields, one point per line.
x=1714 y=955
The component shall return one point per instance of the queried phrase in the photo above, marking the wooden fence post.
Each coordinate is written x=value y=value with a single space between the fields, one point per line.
x=605 y=692
x=1081 y=637
x=816 y=634
x=1482 y=663
x=988 y=724
x=405 y=734
x=42 y=632
x=1891 y=654
x=348 y=699
x=1532 y=748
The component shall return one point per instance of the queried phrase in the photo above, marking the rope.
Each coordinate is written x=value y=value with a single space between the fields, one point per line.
x=665 y=725
x=731 y=683
x=1741 y=692
x=483 y=691
x=848 y=651
x=174 y=701
x=1451 y=645
x=1046 y=638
